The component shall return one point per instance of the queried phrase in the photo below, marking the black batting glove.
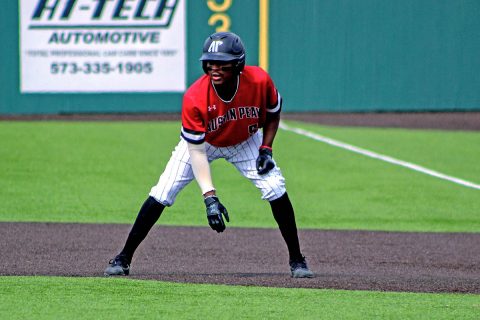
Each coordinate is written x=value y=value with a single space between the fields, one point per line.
x=264 y=160
x=214 y=213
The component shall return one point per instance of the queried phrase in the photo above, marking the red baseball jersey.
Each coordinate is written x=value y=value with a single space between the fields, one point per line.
x=206 y=117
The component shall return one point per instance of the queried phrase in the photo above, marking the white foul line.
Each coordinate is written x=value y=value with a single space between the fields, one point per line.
x=378 y=156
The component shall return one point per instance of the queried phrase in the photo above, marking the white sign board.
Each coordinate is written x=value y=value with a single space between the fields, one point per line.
x=102 y=45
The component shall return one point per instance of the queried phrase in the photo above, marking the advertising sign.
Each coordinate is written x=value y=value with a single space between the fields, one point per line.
x=102 y=45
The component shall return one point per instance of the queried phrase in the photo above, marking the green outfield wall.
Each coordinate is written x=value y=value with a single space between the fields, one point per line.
x=324 y=55
x=363 y=55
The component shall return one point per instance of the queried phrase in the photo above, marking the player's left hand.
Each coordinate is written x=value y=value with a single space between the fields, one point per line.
x=264 y=161
x=214 y=213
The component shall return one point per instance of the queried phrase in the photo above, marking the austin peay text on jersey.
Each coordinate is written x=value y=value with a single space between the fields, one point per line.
x=232 y=114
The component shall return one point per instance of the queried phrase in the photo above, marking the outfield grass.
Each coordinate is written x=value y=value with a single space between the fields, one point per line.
x=104 y=298
x=98 y=172
x=357 y=192
x=451 y=152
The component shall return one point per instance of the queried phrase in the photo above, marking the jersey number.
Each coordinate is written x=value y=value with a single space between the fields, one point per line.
x=252 y=129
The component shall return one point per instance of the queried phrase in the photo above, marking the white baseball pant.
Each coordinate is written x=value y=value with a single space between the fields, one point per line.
x=178 y=172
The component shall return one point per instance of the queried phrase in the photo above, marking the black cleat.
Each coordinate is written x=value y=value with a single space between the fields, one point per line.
x=119 y=266
x=299 y=269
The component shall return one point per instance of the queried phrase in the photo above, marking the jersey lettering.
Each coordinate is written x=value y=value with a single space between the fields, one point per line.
x=232 y=115
x=216 y=123
x=248 y=112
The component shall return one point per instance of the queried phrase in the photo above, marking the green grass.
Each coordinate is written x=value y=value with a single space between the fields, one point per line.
x=99 y=172
x=102 y=172
x=451 y=152
x=104 y=298
x=353 y=191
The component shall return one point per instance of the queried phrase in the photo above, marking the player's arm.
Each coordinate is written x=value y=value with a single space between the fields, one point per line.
x=265 y=162
x=201 y=168
x=193 y=132
x=270 y=128
x=199 y=161
x=201 y=171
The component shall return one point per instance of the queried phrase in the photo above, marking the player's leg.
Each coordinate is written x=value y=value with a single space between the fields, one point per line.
x=146 y=218
x=175 y=177
x=285 y=217
x=272 y=187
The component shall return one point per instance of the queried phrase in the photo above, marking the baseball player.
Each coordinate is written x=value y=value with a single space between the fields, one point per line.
x=222 y=113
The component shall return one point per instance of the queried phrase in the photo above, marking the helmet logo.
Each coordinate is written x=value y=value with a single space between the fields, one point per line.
x=214 y=46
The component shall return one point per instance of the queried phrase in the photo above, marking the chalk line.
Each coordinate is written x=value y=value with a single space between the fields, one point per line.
x=379 y=156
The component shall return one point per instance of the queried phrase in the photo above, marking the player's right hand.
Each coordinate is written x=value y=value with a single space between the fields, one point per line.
x=214 y=213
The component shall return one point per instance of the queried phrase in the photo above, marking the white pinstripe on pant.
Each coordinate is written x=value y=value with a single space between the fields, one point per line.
x=178 y=172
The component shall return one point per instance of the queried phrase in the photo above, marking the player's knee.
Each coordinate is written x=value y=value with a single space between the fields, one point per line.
x=273 y=185
x=161 y=200
x=273 y=194
x=162 y=196
x=272 y=191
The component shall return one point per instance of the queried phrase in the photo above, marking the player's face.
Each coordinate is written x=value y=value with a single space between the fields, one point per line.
x=220 y=72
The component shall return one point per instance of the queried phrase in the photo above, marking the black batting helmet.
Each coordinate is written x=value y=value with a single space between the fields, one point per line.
x=224 y=46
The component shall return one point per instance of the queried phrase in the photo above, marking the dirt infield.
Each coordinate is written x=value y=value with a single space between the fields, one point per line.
x=386 y=261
